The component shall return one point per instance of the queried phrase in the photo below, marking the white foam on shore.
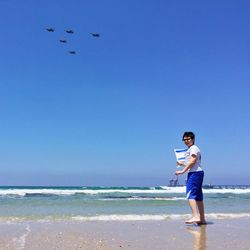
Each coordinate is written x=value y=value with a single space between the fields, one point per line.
x=120 y=217
x=116 y=217
x=227 y=215
x=164 y=190
x=19 y=242
x=149 y=217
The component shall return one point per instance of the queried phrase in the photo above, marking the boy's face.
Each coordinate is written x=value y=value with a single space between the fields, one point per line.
x=188 y=141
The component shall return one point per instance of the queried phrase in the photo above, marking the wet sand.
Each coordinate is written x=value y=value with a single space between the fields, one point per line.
x=156 y=235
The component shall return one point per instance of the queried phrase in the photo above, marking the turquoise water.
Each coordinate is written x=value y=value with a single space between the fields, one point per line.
x=117 y=203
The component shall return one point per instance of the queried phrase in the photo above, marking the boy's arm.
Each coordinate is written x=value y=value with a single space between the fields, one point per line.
x=188 y=166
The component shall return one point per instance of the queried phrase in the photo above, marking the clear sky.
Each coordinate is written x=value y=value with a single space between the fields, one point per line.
x=113 y=113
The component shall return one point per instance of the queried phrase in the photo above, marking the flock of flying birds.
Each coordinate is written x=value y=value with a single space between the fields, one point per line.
x=69 y=31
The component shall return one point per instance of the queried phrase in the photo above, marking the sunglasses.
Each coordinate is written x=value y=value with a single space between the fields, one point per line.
x=187 y=139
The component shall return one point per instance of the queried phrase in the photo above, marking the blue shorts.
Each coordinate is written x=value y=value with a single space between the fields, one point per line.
x=194 y=185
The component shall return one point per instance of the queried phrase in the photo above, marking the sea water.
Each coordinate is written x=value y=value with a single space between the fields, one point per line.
x=117 y=203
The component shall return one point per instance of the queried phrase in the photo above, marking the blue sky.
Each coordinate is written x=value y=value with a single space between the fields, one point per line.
x=113 y=113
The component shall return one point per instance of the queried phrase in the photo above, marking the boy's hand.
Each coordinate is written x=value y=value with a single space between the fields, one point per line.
x=178 y=163
x=178 y=172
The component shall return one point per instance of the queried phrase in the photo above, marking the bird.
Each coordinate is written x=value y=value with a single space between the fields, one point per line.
x=95 y=34
x=50 y=29
x=69 y=31
x=63 y=40
x=72 y=52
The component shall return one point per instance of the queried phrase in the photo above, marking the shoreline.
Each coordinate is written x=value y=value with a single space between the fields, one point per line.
x=118 y=217
x=166 y=234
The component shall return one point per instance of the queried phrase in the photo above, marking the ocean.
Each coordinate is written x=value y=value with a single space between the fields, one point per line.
x=118 y=203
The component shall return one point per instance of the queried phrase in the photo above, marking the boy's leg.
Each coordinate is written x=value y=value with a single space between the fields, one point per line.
x=195 y=215
x=200 y=206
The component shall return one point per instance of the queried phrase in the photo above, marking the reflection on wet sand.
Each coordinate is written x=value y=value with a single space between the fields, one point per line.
x=199 y=234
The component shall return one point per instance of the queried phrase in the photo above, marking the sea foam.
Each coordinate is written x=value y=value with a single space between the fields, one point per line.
x=163 y=190
x=158 y=217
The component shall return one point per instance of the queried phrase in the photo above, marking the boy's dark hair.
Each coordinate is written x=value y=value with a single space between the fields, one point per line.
x=188 y=134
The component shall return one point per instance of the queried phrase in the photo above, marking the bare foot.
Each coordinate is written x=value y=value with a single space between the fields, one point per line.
x=193 y=220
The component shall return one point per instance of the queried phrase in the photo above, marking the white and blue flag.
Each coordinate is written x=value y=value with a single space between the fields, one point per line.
x=180 y=155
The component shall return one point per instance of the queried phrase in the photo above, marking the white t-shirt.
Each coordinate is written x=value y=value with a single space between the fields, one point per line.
x=194 y=150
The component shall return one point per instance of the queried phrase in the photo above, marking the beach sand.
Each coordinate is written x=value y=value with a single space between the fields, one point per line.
x=156 y=235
